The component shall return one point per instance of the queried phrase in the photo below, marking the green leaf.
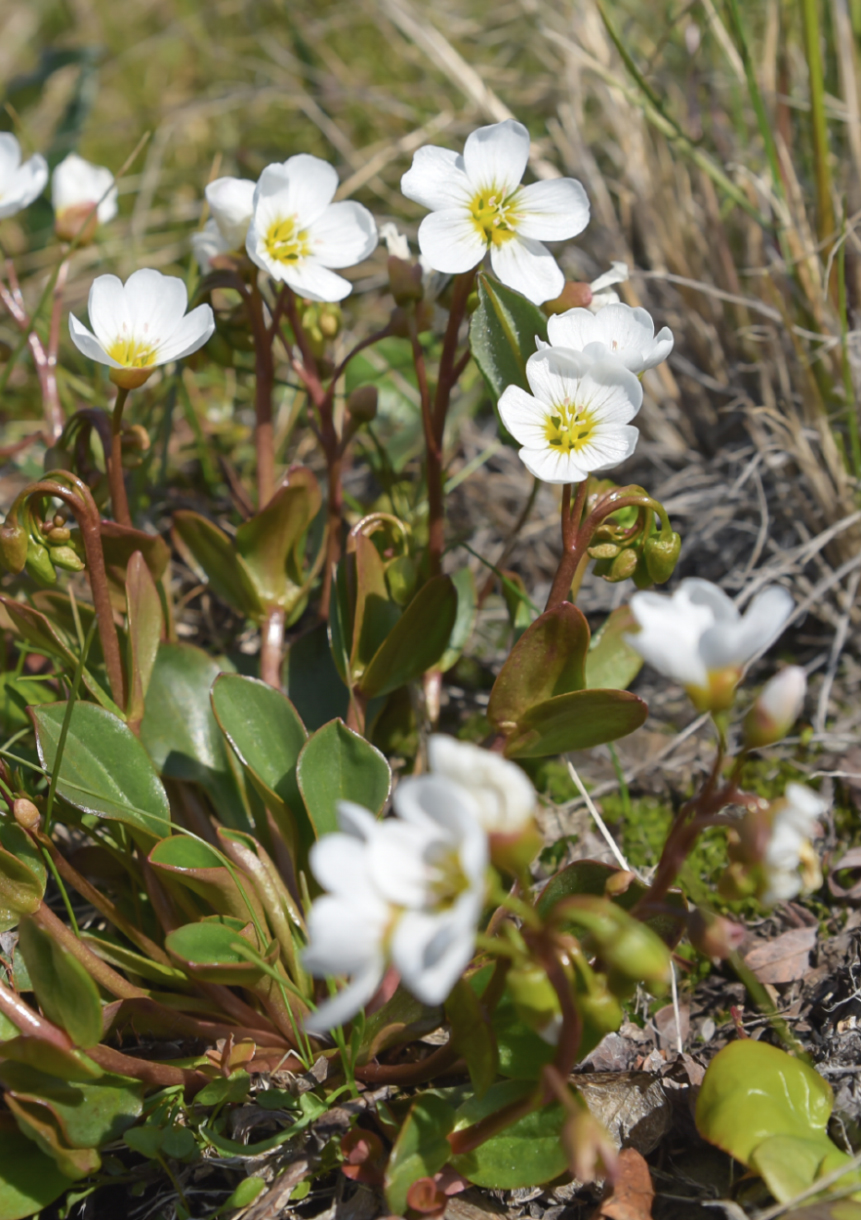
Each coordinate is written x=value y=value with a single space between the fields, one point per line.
x=591 y=877
x=22 y=871
x=374 y=613
x=105 y=770
x=521 y=1053
x=472 y=1036
x=789 y=1164
x=181 y=734
x=206 y=950
x=335 y=765
x=17 y=693
x=611 y=663
x=65 y=991
x=547 y=661
x=271 y=544
x=420 y=1150
x=528 y=1153
x=119 y=543
x=401 y=1019
x=502 y=335
x=312 y=681
x=29 y=1180
x=92 y=1113
x=267 y=736
x=753 y=1091
x=416 y=641
x=209 y=551
x=143 y=608
x=467 y=608
x=198 y=867
x=232 y=1088
x=576 y=721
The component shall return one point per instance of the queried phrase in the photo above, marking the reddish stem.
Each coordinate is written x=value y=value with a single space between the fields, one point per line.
x=272 y=646
x=408 y=1074
x=119 y=500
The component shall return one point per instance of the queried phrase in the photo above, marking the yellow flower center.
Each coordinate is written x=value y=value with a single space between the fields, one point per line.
x=448 y=881
x=285 y=243
x=494 y=216
x=569 y=428
x=132 y=353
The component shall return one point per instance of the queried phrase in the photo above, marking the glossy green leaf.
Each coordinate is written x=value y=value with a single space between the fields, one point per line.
x=29 y=1180
x=521 y=1053
x=267 y=736
x=42 y=1124
x=790 y=1164
x=502 y=334
x=374 y=612
x=206 y=949
x=181 y=734
x=611 y=663
x=591 y=877
x=472 y=1036
x=335 y=765
x=416 y=641
x=144 y=614
x=527 y=1153
x=272 y=542
x=401 y=1019
x=119 y=543
x=66 y=993
x=753 y=1091
x=17 y=693
x=312 y=681
x=547 y=661
x=210 y=552
x=116 y=954
x=22 y=871
x=93 y=1112
x=467 y=608
x=233 y=1088
x=420 y=1150
x=200 y=868
x=105 y=770
x=576 y=721
x=67 y=1064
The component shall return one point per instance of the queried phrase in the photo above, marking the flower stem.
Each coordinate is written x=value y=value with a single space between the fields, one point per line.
x=264 y=376
x=574 y=543
x=119 y=500
x=272 y=646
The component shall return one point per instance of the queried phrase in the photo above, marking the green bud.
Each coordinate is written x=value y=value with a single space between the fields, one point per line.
x=623 y=566
x=330 y=319
x=533 y=996
x=629 y=948
x=601 y=1013
x=39 y=563
x=14 y=541
x=604 y=550
x=405 y=280
x=362 y=403
x=662 y=555
x=642 y=577
x=65 y=557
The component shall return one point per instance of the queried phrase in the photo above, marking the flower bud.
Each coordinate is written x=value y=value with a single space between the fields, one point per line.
x=26 y=814
x=14 y=541
x=65 y=557
x=662 y=555
x=590 y=1148
x=405 y=280
x=362 y=403
x=574 y=295
x=80 y=221
x=57 y=534
x=604 y=550
x=136 y=437
x=714 y=935
x=330 y=320
x=39 y=563
x=623 y=566
x=630 y=949
x=512 y=853
x=777 y=708
x=535 y=1000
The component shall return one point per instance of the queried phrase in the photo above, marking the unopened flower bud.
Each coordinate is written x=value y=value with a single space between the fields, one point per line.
x=362 y=403
x=714 y=935
x=623 y=566
x=535 y=1000
x=136 y=437
x=65 y=557
x=590 y=1148
x=26 y=814
x=604 y=550
x=777 y=708
x=80 y=221
x=57 y=535
x=14 y=541
x=630 y=949
x=330 y=320
x=405 y=280
x=39 y=563
x=574 y=295
x=662 y=555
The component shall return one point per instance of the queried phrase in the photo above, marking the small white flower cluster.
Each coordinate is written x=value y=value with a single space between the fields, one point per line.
x=76 y=185
x=408 y=892
x=790 y=864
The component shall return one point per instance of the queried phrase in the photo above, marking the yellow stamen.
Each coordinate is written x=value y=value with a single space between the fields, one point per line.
x=494 y=216
x=132 y=353
x=285 y=243
x=569 y=428
x=448 y=881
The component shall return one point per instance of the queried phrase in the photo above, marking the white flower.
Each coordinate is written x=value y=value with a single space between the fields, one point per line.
x=504 y=795
x=777 y=708
x=140 y=324
x=601 y=289
x=19 y=184
x=397 y=245
x=697 y=637
x=207 y=243
x=406 y=892
x=477 y=204
x=231 y=202
x=297 y=234
x=790 y=864
x=77 y=186
x=616 y=330
x=577 y=419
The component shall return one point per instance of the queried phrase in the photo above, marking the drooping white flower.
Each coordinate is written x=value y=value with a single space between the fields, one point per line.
x=616 y=330
x=790 y=864
x=19 y=184
x=777 y=707
x=477 y=204
x=76 y=188
x=231 y=202
x=208 y=243
x=397 y=245
x=298 y=235
x=602 y=287
x=139 y=325
x=577 y=418
x=698 y=638
x=406 y=892
x=504 y=795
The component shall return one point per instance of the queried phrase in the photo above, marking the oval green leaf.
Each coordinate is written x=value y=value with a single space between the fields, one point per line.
x=29 y=1180
x=416 y=641
x=335 y=765
x=576 y=721
x=420 y=1150
x=65 y=991
x=547 y=661
x=528 y=1153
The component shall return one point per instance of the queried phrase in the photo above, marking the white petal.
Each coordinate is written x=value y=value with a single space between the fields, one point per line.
x=553 y=210
x=671 y=629
x=303 y=185
x=555 y=376
x=736 y=642
x=207 y=243
x=431 y=951
x=805 y=803
x=76 y=183
x=552 y=466
x=450 y=241
x=397 y=864
x=356 y=820
x=27 y=182
x=617 y=274
x=87 y=343
x=334 y=858
x=396 y=243
x=10 y=159
x=609 y=447
x=108 y=309
x=611 y=392
x=436 y=179
x=573 y=329
x=528 y=267
x=190 y=334
x=231 y=202
x=311 y=279
x=496 y=156
x=156 y=303
x=661 y=347
x=432 y=800
x=524 y=417
x=344 y=235
x=346 y=1003
x=344 y=935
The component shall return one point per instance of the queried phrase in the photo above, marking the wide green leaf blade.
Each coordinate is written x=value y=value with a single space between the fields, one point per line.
x=211 y=553
x=611 y=663
x=416 y=641
x=312 y=681
x=66 y=993
x=270 y=543
x=105 y=770
x=92 y=1112
x=420 y=1150
x=29 y=1180
x=527 y=1153
x=502 y=334
x=335 y=765
x=575 y=721
x=548 y=660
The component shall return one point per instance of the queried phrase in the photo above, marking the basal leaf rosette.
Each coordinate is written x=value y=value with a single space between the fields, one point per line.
x=140 y=325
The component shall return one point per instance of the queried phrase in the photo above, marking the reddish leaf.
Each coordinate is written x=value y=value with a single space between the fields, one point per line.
x=783 y=959
x=631 y=1195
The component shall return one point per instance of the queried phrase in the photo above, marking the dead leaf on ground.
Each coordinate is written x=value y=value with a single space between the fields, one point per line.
x=631 y=1105
x=783 y=959
x=631 y=1196
x=665 y=1020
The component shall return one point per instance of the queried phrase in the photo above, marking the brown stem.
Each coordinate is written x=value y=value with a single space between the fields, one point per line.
x=13 y=300
x=470 y=1138
x=272 y=646
x=99 y=970
x=158 y=1075
x=335 y=498
x=119 y=500
x=264 y=376
x=574 y=543
x=30 y=1023
x=408 y=1074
